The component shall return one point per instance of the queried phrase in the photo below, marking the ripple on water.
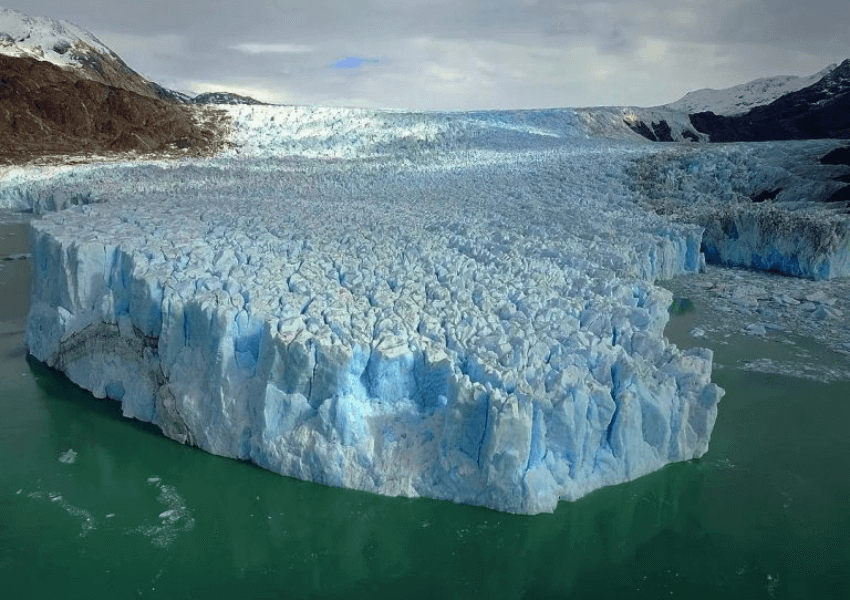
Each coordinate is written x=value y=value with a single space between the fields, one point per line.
x=87 y=521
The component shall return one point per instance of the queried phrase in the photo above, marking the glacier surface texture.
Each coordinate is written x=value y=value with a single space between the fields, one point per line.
x=458 y=306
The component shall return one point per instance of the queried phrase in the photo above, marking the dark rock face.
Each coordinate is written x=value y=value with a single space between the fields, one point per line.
x=839 y=156
x=659 y=132
x=48 y=111
x=766 y=195
x=662 y=131
x=641 y=128
x=841 y=195
x=819 y=111
x=111 y=70
x=687 y=133
x=170 y=95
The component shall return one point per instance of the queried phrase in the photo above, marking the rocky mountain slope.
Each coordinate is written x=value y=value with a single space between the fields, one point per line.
x=47 y=111
x=742 y=98
x=821 y=110
x=73 y=48
x=64 y=93
x=222 y=98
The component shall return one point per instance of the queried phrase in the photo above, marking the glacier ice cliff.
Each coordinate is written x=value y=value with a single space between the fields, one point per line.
x=480 y=326
x=766 y=206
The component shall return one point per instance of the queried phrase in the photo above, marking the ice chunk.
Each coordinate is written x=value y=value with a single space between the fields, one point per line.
x=68 y=457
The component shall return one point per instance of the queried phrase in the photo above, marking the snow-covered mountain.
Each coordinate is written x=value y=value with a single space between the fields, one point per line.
x=59 y=42
x=74 y=49
x=739 y=99
x=769 y=109
x=821 y=110
x=65 y=93
x=672 y=123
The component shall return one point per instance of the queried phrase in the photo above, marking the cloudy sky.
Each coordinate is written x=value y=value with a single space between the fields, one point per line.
x=462 y=54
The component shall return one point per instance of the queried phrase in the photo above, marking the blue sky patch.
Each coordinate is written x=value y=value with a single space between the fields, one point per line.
x=352 y=62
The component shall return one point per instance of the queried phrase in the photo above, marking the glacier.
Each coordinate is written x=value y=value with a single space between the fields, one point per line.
x=800 y=231
x=456 y=306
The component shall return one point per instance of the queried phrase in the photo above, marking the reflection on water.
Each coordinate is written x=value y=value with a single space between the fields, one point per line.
x=281 y=532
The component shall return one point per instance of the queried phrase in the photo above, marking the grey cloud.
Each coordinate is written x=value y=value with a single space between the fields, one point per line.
x=253 y=40
x=273 y=48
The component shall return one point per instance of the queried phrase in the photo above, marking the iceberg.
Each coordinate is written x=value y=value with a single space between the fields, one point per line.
x=431 y=314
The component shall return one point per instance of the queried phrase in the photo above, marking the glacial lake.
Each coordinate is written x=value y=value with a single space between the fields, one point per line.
x=93 y=505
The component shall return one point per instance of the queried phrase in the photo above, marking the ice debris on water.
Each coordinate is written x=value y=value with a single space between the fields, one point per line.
x=791 y=311
x=68 y=457
x=171 y=522
x=755 y=329
x=87 y=522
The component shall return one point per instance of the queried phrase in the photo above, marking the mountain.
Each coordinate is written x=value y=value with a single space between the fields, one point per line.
x=223 y=98
x=64 y=93
x=72 y=48
x=820 y=110
x=660 y=124
x=49 y=111
x=781 y=108
x=739 y=99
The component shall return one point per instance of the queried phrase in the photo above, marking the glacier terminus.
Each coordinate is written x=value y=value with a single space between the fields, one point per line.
x=458 y=306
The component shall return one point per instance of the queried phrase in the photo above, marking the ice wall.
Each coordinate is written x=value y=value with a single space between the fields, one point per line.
x=799 y=244
x=796 y=231
x=482 y=334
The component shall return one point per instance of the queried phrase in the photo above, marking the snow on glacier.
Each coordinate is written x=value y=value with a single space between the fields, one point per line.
x=462 y=307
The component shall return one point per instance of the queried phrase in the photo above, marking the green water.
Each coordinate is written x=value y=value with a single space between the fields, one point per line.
x=130 y=514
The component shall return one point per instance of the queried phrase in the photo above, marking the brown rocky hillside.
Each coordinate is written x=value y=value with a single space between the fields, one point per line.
x=46 y=111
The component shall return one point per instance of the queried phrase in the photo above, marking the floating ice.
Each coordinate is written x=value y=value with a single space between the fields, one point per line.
x=477 y=323
x=789 y=310
x=176 y=519
x=68 y=457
